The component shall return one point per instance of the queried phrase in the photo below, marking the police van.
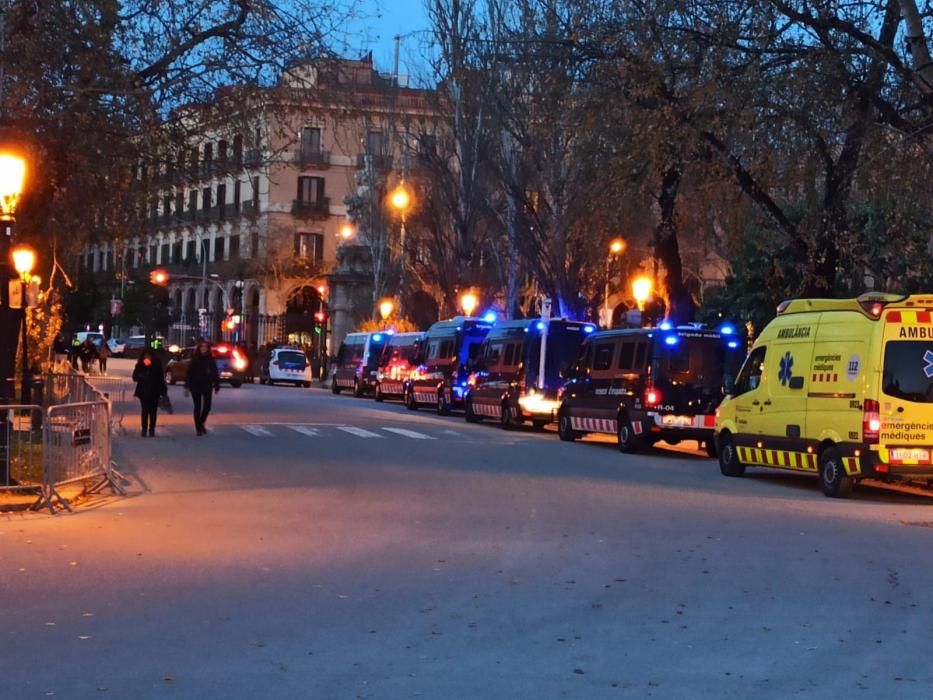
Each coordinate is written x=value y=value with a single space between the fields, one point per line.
x=518 y=373
x=839 y=388
x=357 y=362
x=448 y=350
x=395 y=364
x=649 y=384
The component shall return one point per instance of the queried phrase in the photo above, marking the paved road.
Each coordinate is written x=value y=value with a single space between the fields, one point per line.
x=314 y=546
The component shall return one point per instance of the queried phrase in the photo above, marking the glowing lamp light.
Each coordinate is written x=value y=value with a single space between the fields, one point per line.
x=24 y=259
x=377 y=337
x=158 y=277
x=400 y=199
x=12 y=177
x=617 y=246
x=468 y=302
x=641 y=289
x=386 y=307
x=230 y=324
x=347 y=231
x=733 y=344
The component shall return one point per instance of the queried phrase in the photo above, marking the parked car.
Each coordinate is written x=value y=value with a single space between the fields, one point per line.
x=231 y=365
x=395 y=365
x=448 y=351
x=357 y=363
x=117 y=346
x=517 y=376
x=285 y=364
x=96 y=338
x=648 y=384
x=133 y=346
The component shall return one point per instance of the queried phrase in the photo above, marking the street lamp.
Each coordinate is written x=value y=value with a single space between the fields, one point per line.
x=641 y=290
x=24 y=259
x=616 y=248
x=468 y=302
x=401 y=201
x=347 y=231
x=386 y=307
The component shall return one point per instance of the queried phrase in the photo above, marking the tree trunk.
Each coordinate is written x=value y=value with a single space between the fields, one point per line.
x=680 y=305
x=917 y=46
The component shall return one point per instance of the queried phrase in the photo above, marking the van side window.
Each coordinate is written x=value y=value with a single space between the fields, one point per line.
x=433 y=346
x=640 y=352
x=447 y=349
x=602 y=360
x=493 y=353
x=513 y=354
x=627 y=356
x=750 y=376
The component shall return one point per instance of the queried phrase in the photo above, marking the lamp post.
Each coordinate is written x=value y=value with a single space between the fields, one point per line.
x=24 y=259
x=616 y=248
x=468 y=302
x=400 y=199
x=12 y=177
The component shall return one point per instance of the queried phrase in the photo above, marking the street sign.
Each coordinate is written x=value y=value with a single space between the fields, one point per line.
x=16 y=294
x=81 y=436
x=116 y=307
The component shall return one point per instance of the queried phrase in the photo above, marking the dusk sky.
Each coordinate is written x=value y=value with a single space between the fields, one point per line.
x=380 y=21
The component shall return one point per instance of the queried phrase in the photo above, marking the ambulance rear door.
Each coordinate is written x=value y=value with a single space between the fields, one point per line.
x=906 y=397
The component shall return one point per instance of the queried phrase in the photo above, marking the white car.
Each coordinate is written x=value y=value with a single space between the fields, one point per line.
x=117 y=346
x=286 y=364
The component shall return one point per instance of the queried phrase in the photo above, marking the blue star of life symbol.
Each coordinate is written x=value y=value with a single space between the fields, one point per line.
x=928 y=358
x=786 y=370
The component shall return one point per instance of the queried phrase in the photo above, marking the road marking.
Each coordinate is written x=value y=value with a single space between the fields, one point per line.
x=359 y=432
x=409 y=433
x=257 y=430
x=304 y=430
x=452 y=433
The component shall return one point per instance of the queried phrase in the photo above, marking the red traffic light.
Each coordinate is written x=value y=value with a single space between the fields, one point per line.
x=320 y=316
x=158 y=277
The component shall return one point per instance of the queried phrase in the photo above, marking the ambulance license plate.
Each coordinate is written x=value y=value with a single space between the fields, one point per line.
x=911 y=454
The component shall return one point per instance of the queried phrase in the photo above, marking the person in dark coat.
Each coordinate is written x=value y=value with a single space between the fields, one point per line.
x=202 y=378
x=150 y=387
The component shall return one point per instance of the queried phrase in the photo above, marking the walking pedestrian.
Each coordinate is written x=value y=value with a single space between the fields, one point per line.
x=202 y=378
x=150 y=387
x=87 y=351
x=103 y=352
x=60 y=349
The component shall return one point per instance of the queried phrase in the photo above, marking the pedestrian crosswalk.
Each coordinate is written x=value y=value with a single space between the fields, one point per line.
x=310 y=430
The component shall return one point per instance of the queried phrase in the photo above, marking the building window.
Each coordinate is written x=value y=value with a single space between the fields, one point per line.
x=193 y=163
x=139 y=258
x=238 y=149
x=206 y=198
x=189 y=251
x=108 y=263
x=167 y=205
x=221 y=199
x=236 y=195
x=311 y=140
x=193 y=201
x=179 y=203
x=166 y=254
x=234 y=247
x=208 y=157
x=176 y=252
x=310 y=190
x=219 y=248
x=310 y=246
x=256 y=192
x=153 y=252
x=375 y=143
x=222 y=152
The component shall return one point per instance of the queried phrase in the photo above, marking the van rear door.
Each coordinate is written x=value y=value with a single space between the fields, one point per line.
x=689 y=370
x=906 y=398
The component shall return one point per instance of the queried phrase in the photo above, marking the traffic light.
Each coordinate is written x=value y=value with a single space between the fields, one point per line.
x=319 y=319
x=158 y=277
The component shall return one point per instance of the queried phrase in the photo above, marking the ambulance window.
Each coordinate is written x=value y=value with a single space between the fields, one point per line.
x=750 y=376
x=627 y=356
x=603 y=357
x=908 y=370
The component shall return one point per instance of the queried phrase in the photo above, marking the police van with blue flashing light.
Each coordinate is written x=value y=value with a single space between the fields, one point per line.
x=518 y=374
x=395 y=365
x=447 y=352
x=649 y=384
x=357 y=363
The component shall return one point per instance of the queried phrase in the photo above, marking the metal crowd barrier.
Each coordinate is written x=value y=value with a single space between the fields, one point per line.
x=118 y=391
x=21 y=451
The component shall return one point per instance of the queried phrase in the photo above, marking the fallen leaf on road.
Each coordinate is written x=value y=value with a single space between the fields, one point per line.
x=50 y=624
x=84 y=636
x=87 y=614
x=578 y=671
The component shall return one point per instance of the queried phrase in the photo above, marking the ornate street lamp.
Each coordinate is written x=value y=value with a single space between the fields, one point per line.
x=616 y=248
x=401 y=201
x=468 y=302
x=386 y=307
x=12 y=180
x=24 y=259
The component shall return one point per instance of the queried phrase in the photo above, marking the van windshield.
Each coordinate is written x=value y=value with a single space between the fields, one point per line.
x=908 y=370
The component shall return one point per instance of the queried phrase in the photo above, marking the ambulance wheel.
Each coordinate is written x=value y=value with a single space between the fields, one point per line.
x=565 y=429
x=729 y=463
x=468 y=412
x=410 y=402
x=443 y=408
x=710 y=447
x=378 y=396
x=333 y=386
x=357 y=389
x=628 y=442
x=833 y=478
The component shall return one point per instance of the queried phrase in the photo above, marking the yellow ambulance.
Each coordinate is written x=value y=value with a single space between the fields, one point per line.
x=840 y=388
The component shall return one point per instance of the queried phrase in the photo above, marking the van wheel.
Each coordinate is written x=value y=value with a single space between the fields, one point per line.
x=833 y=478
x=468 y=412
x=729 y=463
x=628 y=442
x=443 y=408
x=333 y=386
x=565 y=430
x=357 y=389
x=410 y=402
x=710 y=447
x=378 y=396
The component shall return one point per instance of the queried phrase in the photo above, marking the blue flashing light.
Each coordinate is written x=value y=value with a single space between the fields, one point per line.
x=589 y=329
x=727 y=329
x=490 y=316
x=666 y=326
x=391 y=331
x=540 y=325
x=733 y=344
x=671 y=340
x=377 y=337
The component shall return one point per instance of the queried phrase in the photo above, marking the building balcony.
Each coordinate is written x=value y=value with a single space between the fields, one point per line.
x=380 y=161
x=318 y=209
x=308 y=157
x=252 y=157
x=249 y=208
